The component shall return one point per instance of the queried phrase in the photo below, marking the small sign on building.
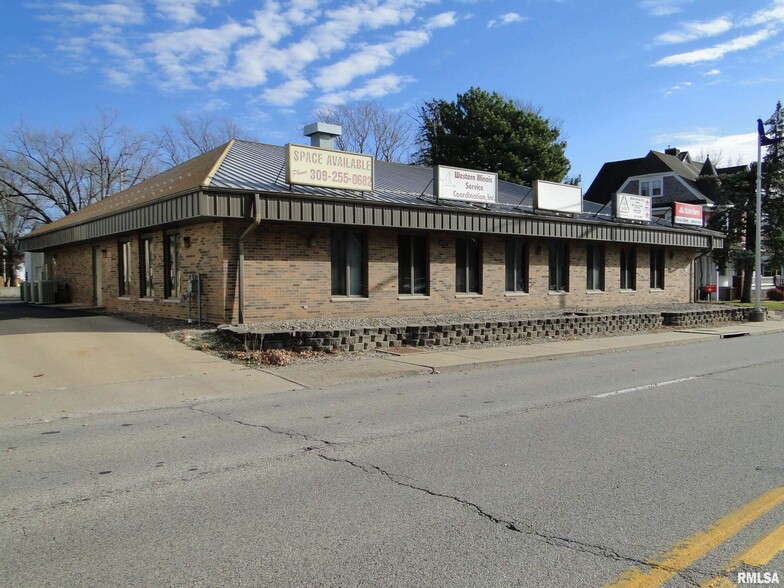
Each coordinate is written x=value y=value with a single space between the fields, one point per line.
x=558 y=197
x=468 y=185
x=632 y=207
x=326 y=168
x=687 y=214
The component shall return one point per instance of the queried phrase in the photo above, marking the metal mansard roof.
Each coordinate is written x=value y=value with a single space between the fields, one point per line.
x=221 y=184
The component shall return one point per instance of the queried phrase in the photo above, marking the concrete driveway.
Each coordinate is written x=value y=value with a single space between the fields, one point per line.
x=59 y=361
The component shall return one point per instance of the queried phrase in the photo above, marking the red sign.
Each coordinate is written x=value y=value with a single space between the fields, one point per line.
x=687 y=214
x=709 y=288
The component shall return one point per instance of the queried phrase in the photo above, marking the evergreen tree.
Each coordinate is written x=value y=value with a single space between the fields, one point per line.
x=735 y=216
x=488 y=132
x=773 y=191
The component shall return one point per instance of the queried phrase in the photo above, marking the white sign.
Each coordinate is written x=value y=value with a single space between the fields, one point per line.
x=632 y=207
x=325 y=168
x=687 y=214
x=469 y=185
x=559 y=197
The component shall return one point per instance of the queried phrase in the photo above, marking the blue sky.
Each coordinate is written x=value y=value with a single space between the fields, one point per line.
x=621 y=77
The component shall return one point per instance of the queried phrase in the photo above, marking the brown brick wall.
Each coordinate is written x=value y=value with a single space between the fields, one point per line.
x=204 y=255
x=288 y=275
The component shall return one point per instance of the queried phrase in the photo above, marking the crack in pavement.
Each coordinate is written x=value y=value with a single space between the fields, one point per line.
x=526 y=529
x=291 y=434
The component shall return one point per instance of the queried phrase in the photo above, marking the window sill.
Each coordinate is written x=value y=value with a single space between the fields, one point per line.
x=557 y=292
x=468 y=295
x=349 y=299
x=515 y=294
x=146 y=299
x=413 y=297
x=656 y=290
x=172 y=300
x=123 y=298
x=627 y=291
x=594 y=292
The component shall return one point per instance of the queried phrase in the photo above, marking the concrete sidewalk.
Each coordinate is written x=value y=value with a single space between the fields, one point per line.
x=66 y=363
x=430 y=361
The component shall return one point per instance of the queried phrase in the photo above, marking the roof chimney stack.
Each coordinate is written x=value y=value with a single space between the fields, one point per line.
x=672 y=151
x=323 y=134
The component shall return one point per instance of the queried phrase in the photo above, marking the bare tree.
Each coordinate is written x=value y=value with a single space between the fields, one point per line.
x=14 y=222
x=370 y=128
x=191 y=136
x=52 y=173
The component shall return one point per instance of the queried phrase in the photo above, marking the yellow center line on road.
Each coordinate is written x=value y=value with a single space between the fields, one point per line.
x=755 y=556
x=693 y=548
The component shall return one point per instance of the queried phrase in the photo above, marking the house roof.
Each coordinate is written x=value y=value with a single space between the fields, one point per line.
x=613 y=175
x=187 y=176
x=221 y=184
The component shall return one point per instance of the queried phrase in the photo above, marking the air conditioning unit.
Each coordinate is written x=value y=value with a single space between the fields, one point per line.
x=34 y=292
x=46 y=291
x=24 y=291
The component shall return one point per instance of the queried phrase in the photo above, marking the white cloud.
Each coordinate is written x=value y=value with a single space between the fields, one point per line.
x=287 y=93
x=677 y=88
x=717 y=51
x=369 y=59
x=663 y=7
x=129 y=12
x=729 y=149
x=372 y=89
x=767 y=16
x=442 y=21
x=712 y=72
x=184 y=12
x=696 y=30
x=506 y=19
x=193 y=53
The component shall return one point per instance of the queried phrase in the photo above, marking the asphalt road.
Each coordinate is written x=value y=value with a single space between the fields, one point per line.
x=647 y=468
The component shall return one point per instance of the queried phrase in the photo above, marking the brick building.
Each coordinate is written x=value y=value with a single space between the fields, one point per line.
x=265 y=249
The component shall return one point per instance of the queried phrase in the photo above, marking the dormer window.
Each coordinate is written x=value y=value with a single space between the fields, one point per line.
x=651 y=188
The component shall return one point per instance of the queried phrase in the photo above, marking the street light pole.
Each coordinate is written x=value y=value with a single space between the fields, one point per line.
x=758 y=233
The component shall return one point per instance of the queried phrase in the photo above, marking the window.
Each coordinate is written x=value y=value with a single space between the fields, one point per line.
x=657 y=268
x=145 y=268
x=124 y=267
x=171 y=265
x=651 y=187
x=628 y=267
x=559 y=267
x=412 y=264
x=595 y=259
x=349 y=255
x=516 y=265
x=468 y=265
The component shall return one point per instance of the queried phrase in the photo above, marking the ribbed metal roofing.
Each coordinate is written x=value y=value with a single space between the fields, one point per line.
x=246 y=167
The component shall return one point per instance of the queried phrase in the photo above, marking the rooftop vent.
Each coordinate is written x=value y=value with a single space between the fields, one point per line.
x=323 y=134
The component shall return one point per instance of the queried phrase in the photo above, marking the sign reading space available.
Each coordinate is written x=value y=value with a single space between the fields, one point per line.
x=325 y=168
x=632 y=207
x=687 y=214
x=469 y=185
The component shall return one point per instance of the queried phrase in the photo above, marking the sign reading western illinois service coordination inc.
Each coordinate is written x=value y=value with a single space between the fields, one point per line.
x=632 y=207
x=325 y=168
x=687 y=214
x=468 y=185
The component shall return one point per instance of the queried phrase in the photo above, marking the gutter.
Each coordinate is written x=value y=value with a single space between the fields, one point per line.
x=241 y=261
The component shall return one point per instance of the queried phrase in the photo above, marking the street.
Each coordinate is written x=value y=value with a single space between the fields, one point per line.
x=642 y=468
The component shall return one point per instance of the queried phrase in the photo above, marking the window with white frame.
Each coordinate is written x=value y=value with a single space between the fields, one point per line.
x=651 y=187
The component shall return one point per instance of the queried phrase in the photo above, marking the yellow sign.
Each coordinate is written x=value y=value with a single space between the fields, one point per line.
x=325 y=168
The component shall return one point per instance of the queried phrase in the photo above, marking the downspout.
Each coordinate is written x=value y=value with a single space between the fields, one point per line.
x=241 y=261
